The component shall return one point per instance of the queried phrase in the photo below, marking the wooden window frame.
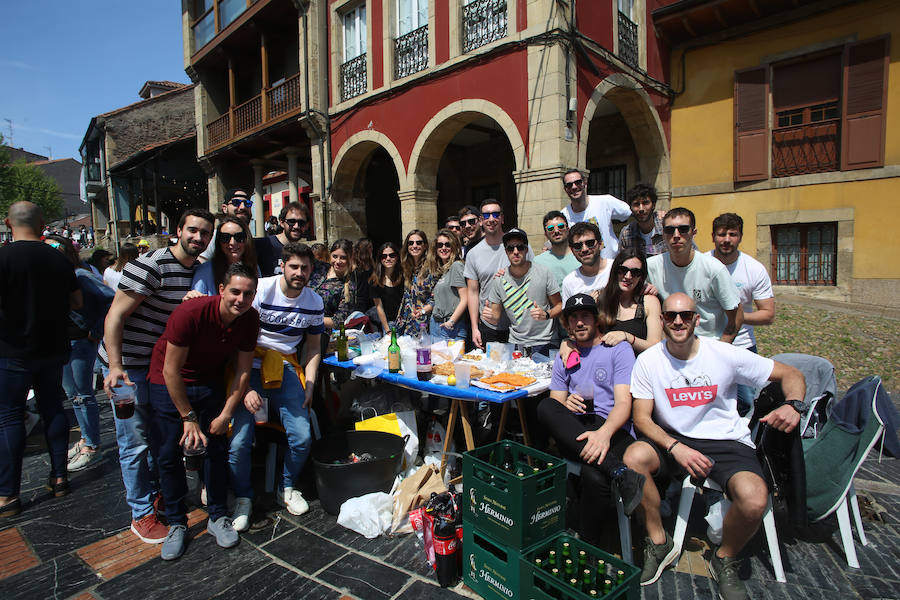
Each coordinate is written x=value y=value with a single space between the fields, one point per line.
x=803 y=278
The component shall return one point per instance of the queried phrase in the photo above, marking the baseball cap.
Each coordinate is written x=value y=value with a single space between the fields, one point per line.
x=580 y=302
x=515 y=232
x=143 y=244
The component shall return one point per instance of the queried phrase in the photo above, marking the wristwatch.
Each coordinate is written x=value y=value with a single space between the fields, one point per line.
x=190 y=417
x=796 y=405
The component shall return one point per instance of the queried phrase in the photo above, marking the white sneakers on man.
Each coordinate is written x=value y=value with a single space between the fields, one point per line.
x=292 y=500
x=240 y=520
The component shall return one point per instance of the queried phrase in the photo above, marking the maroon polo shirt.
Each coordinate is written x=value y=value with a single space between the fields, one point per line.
x=197 y=324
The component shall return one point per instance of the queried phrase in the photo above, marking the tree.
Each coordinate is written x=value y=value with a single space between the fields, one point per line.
x=21 y=181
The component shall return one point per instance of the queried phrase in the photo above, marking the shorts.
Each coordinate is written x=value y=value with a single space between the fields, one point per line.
x=730 y=457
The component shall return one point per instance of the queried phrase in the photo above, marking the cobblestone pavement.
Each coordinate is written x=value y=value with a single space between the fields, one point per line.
x=80 y=547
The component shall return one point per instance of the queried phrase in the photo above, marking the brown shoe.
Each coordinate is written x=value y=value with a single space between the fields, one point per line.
x=149 y=529
x=58 y=488
x=11 y=508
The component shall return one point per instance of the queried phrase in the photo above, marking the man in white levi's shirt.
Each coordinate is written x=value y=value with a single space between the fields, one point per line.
x=685 y=407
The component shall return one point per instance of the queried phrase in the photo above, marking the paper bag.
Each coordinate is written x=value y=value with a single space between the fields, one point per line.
x=413 y=492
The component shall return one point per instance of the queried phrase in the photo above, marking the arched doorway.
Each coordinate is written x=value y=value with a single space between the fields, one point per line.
x=380 y=182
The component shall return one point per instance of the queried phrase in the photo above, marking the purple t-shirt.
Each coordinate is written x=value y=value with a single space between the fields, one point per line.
x=602 y=367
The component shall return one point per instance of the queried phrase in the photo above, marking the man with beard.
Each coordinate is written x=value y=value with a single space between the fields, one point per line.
x=559 y=258
x=684 y=393
x=187 y=393
x=599 y=210
x=151 y=286
x=593 y=274
x=646 y=231
x=293 y=220
x=470 y=224
x=236 y=204
x=291 y=314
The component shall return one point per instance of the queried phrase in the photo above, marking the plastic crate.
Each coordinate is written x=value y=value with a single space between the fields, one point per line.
x=490 y=568
x=539 y=584
x=516 y=511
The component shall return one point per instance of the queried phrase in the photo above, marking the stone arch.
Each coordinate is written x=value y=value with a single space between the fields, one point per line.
x=643 y=123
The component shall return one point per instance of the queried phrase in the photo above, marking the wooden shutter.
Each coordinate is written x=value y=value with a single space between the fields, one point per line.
x=865 y=101
x=751 y=124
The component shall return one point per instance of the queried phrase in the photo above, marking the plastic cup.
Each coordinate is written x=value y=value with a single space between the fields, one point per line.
x=366 y=347
x=262 y=415
x=193 y=456
x=123 y=397
x=463 y=372
x=408 y=363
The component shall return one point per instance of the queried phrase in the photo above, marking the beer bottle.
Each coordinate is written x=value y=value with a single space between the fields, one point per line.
x=340 y=345
x=566 y=550
x=573 y=582
x=539 y=563
x=585 y=580
x=594 y=594
x=620 y=576
x=556 y=574
x=582 y=559
x=607 y=586
x=508 y=464
x=601 y=569
x=570 y=567
x=394 y=353
x=551 y=560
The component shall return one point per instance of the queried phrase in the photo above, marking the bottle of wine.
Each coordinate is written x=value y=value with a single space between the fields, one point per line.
x=394 y=353
x=341 y=345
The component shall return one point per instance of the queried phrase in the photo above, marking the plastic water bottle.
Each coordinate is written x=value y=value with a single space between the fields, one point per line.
x=423 y=354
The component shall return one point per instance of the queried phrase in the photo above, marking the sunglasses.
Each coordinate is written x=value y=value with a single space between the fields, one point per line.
x=443 y=245
x=686 y=315
x=415 y=243
x=588 y=243
x=682 y=229
x=454 y=227
x=240 y=237
x=238 y=201
x=295 y=223
x=558 y=227
x=491 y=215
x=622 y=270
x=388 y=255
x=575 y=183
x=468 y=222
x=519 y=247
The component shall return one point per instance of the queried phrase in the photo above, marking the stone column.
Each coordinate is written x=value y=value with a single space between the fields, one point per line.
x=418 y=210
x=539 y=191
x=258 y=216
x=292 y=153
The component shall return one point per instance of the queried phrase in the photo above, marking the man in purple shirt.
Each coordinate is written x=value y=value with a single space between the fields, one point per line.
x=588 y=413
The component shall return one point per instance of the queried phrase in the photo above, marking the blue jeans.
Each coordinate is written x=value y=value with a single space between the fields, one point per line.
x=745 y=393
x=78 y=382
x=166 y=431
x=44 y=375
x=460 y=331
x=136 y=457
x=288 y=401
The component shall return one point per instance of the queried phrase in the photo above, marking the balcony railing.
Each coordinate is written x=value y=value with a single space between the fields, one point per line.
x=810 y=148
x=628 y=40
x=411 y=52
x=483 y=22
x=353 y=77
x=273 y=104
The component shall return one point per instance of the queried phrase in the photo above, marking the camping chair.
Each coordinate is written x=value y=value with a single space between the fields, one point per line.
x=832 y=460
x=821 y=389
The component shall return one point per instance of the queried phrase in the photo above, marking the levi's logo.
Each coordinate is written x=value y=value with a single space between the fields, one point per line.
x=692 y=396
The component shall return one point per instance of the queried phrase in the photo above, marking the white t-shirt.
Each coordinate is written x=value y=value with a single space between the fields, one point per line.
x=753 y=283
x=284 y=321
x=111 y=277
x=705 y=280
x=577 y=282
x=697 y=398
x=600 y=211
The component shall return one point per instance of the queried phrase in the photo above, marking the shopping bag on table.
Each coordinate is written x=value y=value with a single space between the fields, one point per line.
x=398 y=423
x=412 y=493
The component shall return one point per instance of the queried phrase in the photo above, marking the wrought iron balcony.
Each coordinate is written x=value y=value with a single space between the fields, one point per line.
x=411 y=52
x=628 y=40
x=272 y=105
x=353 y=77
x=811 y=148
x=483 y=22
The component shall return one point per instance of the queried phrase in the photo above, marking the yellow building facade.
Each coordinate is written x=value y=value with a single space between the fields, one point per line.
x=819 y=202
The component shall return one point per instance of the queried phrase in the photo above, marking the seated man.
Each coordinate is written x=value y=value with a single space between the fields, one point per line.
x=588 y=413
x=685 y=404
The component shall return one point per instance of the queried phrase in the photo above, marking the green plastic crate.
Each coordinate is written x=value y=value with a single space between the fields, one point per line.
x=539 y=584
x=490 y=568
x=516 y=511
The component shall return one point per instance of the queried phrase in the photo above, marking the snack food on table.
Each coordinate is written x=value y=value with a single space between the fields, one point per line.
x=446 y=369
x=472 y=357
x=508 y=381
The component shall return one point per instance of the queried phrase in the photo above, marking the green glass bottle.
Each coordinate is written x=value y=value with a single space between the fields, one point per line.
x=607 y=586
x=601 y=569
x=573 y=581
x=340 y=345
x=555 y=572
x=594 y=594
x=394 y=353
x=585 y=580
x=551 y=560
x=570 y=567
x=582 y=559
x=539 y=563
x=620 y=576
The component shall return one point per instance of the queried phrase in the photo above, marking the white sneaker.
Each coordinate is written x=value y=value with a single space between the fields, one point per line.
x=75 y=450
x=240 y=519
x=292 y=500
x=83 y=460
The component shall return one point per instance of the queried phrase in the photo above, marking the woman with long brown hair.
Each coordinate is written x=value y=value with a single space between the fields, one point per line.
x=627 y=313
x=331 y=281
x=363 y=266
x=386 y=285
x=113 y=274
x=448 y=318
x=234 y=243
x=418 y=273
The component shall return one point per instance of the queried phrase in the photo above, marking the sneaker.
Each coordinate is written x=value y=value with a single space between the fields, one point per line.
x=725 y=572
x=83 y=460
x=629 y=485
x=173 y=545
x=243 y=507
x=292 y=500
x=75 y=449
x=656 y=558
x=11 y=508
x=223 y=531
x=149 y=529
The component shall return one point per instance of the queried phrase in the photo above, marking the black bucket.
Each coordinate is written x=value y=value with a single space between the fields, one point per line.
x=337 y=483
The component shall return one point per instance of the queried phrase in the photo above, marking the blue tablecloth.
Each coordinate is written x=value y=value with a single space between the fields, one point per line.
x=446 y=391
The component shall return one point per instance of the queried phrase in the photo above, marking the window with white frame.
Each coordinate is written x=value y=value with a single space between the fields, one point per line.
x=411 y=14
x=354 y=32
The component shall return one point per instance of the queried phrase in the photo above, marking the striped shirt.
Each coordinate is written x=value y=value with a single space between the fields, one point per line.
x=285 y=321
x=163 y=281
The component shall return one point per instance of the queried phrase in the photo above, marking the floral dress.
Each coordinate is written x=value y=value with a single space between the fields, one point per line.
x=419 y=293
x=331 y=290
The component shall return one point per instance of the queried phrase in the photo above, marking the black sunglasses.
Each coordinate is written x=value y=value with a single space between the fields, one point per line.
x=415 y=243
x=519 y=247
x=443 y=245
x=295 y=223
x=622 y=270
x=453 y=227
x=682 y=229
x=491 y=215
x=686 y=315
x=558 y=227
x=588 y=243
x=467 y=222
x=240 y=237
x=575 y=183
x=238 y=201
x=388 y=255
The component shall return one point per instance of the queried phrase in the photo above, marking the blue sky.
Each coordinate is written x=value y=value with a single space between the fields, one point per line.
x=63 y=62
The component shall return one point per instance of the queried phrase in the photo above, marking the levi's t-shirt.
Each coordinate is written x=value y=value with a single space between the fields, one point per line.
x=697 y=398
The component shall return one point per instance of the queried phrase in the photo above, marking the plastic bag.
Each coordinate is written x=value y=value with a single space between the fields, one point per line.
x=434 y=439
x=715 y=517
x=412 y=493
x=368 y=515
